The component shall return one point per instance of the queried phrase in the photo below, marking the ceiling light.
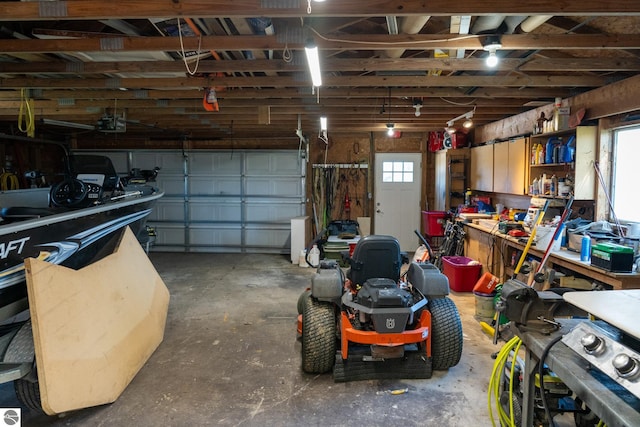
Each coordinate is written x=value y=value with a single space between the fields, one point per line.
x=313 y=60
x=492 y=59
x=390 y=127
x=491 y=45
x=323 y=123
x=467 y=116
x=417 y=104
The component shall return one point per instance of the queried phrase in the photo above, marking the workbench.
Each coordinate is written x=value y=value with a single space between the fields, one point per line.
x=494 y=249
x=610 y=401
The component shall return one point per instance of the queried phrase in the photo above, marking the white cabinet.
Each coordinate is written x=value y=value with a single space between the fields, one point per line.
x=481 y=168
x=510 y=166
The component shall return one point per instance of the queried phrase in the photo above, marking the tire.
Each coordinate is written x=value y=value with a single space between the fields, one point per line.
x=318 y=336
x=517 y=407
x=301 y=299
x=446 y=333
x=28 y=393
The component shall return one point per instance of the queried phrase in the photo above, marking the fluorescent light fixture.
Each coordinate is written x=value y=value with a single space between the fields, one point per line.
x=313 y=60
x=491 y=45
x=390 y=128
x=68 y=124
x=323 y=123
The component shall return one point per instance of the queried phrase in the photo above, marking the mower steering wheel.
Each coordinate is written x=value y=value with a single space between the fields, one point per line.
x=70 y=192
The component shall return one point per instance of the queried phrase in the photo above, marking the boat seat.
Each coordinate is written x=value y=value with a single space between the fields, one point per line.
x=18 y=213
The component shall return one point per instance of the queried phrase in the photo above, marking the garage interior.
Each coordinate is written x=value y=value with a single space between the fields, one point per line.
x=254 y=159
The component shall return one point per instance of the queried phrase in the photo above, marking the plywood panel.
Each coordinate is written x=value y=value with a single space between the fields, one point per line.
x=94 y=328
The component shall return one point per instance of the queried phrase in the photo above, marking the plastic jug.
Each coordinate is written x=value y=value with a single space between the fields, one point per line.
x=314 y=256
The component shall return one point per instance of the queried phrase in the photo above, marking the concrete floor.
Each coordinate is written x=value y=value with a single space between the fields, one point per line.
x=230 y=358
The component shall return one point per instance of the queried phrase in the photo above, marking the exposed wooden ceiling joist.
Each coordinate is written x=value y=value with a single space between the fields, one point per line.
x=128 y=9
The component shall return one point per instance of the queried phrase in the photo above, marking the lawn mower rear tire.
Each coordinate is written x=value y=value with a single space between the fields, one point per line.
x=446 y=333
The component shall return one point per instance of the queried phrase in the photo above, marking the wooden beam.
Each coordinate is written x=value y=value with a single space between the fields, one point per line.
x=130 y=9
x=330 y=81
x=330 y=64
x=108 y=43
x=452 y=94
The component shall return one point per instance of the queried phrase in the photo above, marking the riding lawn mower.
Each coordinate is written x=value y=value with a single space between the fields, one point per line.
x=370 y=322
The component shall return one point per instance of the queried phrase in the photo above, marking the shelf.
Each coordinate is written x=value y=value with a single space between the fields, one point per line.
x=550 y=134
x=546 y=196
x=547 y=165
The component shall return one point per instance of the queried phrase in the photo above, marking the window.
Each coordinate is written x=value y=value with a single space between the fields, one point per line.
x=397 y=171
x=626 y=152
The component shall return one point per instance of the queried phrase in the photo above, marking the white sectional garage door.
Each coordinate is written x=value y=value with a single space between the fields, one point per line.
x=222 y=201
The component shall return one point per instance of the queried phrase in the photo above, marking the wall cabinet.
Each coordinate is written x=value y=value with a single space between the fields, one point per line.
x=510 y=166
x=581 y=171
x=481 y=168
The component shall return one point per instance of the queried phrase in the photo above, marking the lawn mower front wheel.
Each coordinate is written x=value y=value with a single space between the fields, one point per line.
x=318 y=335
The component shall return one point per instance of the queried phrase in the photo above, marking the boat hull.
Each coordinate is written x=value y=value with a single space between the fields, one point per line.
x=73 y=238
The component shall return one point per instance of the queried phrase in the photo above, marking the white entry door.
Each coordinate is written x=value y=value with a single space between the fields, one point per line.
x=397 y=197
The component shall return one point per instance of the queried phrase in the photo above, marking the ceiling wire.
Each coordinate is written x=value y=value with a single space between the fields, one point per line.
x=459 y=103
x=403 y=43
x=184 y=56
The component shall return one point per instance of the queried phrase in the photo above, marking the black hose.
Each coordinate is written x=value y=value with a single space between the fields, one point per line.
x=424 y=241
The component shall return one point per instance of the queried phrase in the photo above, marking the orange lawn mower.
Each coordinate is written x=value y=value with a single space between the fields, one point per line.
x=371 y=322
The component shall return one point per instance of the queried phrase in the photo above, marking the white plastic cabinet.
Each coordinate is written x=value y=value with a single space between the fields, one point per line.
x=481 y=168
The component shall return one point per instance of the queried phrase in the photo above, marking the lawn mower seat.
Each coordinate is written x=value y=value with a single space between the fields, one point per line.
x=375 y=256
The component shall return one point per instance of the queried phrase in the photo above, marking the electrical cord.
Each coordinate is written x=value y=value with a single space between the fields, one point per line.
x=543 y=395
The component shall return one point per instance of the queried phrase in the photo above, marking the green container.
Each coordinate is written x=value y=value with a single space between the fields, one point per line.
x=612 y=257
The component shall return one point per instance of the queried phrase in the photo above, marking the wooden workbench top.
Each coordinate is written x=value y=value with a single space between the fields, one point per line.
x=569 y=260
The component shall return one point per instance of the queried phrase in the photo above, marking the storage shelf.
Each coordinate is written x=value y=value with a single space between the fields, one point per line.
x=547 y=165
x=546 y=196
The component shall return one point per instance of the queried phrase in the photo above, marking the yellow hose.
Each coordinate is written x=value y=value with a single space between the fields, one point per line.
x=495 y=382
x=9 y=181
x=26 y=117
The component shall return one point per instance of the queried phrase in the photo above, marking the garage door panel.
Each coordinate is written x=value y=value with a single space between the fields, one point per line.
x=171 y=185
x=169 y=162
x=202 y=185
x=167 y=234
x=277 y=239
x=275 y=186
x=217 y=211
x=215 y=236
x=273 y=163
x=271 y=212
x=168 y=210
x=218 y=164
